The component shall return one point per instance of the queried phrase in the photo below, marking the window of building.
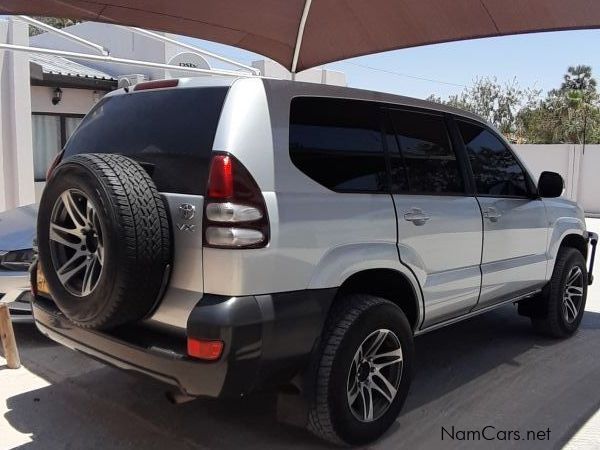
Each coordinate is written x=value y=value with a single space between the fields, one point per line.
x=496 y=170
x=50 y=133
x=422 y=159
x=338 y=143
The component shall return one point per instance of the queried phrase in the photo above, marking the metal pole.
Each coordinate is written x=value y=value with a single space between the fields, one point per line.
x=72 y=37
x=584 y=125
x=192 y=48
x=300 y=35
x=128 y=62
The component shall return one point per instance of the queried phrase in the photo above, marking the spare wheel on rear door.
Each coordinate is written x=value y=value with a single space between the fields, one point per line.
x=104 y=240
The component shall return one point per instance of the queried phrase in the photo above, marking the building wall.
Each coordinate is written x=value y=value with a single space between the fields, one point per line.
x=578 y=166
x=74 y=101
x=16 y=148
x=272 y=69
x=121 y=42
x=589 y=179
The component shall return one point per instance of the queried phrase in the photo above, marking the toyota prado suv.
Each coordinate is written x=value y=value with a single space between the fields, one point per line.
x=232 y=235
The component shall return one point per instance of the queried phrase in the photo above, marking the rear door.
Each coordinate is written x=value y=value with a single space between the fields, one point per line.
x=439 y=221
x=170 y=132
x=514 y=218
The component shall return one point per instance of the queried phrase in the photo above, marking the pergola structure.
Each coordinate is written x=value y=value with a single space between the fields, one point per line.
x=301 y=34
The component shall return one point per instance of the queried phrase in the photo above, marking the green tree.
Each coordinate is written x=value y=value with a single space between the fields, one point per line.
x=569 y=114
x=579 y=78
x=498 y=103
x=56 y=22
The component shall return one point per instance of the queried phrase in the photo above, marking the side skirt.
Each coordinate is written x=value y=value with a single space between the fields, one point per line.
x=476 y=313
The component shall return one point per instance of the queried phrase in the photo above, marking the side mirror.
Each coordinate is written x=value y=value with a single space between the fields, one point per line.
x=551 y=185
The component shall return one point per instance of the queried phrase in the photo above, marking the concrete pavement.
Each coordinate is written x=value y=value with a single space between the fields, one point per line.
x=489 y=375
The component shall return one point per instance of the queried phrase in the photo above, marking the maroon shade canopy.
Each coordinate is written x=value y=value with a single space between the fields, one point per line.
x=302 y=33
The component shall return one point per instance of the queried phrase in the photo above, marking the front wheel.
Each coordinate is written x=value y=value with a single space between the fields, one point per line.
x=364 y=371
x=564 y=298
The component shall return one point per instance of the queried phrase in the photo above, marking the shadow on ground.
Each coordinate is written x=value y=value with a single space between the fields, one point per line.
x=489 y=370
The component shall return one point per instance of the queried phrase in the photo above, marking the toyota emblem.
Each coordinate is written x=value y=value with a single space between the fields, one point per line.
x=187 y=211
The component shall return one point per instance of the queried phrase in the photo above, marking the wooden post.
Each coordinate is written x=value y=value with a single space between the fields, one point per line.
x=8 y=338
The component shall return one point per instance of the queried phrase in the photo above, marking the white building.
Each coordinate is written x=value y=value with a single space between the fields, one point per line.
x=44 y=97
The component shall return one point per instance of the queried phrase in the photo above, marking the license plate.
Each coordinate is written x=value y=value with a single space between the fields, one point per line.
x=42 y=284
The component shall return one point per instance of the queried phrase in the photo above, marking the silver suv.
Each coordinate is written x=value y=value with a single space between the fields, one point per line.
x=231 y=235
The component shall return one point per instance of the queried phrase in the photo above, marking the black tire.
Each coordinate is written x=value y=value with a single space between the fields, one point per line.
x=549 y=318
x=353 y=319
x=131 y=217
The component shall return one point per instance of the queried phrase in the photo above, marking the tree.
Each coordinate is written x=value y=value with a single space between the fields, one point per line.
x=569 y=114
x=579 y=78
x=498 y=103
x=52 y=21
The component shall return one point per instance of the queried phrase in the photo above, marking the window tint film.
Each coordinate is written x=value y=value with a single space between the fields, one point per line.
x=170 y=132
x=430 y=164
x=495 y=168
x=338 y=143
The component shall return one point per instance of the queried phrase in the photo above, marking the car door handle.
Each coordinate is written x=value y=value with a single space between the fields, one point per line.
x=416 y=216
x=492 y=214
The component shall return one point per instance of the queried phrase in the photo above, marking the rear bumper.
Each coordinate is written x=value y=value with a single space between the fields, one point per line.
x=592 y=239
x=267 y=339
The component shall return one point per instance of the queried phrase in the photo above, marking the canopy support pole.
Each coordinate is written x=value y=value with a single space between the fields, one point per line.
x=300 y=35
x=127 y=62
x=192 y=48
x=72 y=37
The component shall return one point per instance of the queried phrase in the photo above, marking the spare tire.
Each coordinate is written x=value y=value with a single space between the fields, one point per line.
x=104 y=240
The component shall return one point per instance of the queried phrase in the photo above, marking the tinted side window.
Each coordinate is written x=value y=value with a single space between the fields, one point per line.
x=495 y=168
x=430 y=164
x=338 y=143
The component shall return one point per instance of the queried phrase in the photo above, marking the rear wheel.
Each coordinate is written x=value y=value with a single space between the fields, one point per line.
x=563 y=299
x=363 y=372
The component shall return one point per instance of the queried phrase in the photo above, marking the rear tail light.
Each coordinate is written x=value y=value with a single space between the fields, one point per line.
x=209 y=350
x=235 y=214
x=220 y=183
x=230 y=212
x=233 y=237
x=54 y=163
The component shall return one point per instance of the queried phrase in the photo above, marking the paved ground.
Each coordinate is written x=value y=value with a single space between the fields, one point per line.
x=487 y=371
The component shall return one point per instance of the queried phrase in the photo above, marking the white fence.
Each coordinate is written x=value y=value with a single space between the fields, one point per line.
x=579 y=166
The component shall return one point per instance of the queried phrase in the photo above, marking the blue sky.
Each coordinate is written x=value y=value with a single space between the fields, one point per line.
x=536 y=60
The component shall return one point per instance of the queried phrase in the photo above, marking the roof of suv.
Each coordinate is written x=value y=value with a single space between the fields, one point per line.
x=316 y=89
x=363 y=94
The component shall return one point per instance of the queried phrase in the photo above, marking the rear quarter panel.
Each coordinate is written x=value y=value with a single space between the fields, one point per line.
x=318 y=237
x=565 y=217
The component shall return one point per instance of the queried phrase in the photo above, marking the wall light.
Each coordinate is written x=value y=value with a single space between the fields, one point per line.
x=57 y=96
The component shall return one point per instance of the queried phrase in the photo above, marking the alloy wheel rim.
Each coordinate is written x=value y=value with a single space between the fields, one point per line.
x=76 y=243
x=573 y=294
x=374 y=375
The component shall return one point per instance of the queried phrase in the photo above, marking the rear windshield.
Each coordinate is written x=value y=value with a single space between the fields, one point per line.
x=170 y=132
